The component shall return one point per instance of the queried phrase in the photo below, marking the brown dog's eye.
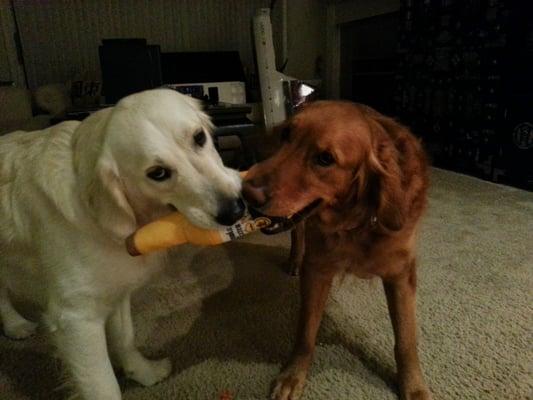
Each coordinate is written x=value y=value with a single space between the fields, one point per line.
x=200 y=138
x=324 y=159
x=159 y=174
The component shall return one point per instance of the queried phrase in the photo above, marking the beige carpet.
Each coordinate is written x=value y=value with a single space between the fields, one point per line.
x=226 y=315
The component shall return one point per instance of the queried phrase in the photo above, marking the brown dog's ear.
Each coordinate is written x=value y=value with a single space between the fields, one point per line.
x=384 y=186
x=376 y=197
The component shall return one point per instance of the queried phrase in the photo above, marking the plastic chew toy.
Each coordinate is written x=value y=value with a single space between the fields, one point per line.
x=174 y=229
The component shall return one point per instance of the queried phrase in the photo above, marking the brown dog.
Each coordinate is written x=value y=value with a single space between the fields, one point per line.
x=367 y=176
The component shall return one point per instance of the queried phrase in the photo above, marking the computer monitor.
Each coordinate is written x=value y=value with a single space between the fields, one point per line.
x=202 y=66
x=128 y=66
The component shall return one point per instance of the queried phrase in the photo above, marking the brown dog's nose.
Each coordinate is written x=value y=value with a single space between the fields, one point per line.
x=254 y=194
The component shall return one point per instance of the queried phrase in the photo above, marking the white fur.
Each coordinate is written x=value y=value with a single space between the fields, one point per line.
x=69 y=196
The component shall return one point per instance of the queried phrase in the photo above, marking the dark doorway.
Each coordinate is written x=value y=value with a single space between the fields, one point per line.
x=368 y=61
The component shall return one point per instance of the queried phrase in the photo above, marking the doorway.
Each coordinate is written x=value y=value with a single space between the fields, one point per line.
x=368 y=61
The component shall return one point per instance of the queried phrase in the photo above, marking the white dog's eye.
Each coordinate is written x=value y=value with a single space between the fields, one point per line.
x=159 y=173
x=200 y=138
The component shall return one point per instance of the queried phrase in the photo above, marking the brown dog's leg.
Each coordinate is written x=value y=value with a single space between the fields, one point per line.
x=400 y=292
x=315 y=284
x=297 y=249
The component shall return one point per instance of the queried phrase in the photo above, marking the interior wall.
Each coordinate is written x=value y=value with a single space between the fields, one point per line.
x=352 y=10
x=60 y=42
x=10 y=69
x=5 y=70
x=306 y=29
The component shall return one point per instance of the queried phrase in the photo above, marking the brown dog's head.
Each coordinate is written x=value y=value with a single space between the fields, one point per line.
x=342 y=154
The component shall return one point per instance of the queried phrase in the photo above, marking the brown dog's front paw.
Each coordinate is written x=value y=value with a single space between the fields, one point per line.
x=416 y=394
x=289 y=385
x=293 y=267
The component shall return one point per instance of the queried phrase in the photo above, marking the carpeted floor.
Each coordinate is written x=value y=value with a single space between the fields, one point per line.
x=226 y=315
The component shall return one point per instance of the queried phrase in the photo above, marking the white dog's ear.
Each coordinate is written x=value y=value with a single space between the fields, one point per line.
x=99 y=186
x=107 y=200
x=204 y=119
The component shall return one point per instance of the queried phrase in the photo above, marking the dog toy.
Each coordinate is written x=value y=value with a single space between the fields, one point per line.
x=174 y=229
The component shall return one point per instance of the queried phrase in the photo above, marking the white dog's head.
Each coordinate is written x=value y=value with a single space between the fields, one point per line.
x=150 y=153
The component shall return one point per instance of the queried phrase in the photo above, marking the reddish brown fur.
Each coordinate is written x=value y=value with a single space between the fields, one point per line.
x=372 y=199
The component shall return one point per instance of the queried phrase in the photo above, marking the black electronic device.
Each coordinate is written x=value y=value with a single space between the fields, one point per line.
x=128 y=66
x=201 y=66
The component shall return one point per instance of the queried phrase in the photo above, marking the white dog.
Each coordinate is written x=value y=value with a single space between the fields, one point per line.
x=71 y=194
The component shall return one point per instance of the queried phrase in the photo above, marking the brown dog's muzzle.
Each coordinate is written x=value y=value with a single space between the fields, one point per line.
x=256 y=195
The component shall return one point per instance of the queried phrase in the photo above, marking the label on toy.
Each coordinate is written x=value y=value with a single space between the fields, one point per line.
x=246 y=225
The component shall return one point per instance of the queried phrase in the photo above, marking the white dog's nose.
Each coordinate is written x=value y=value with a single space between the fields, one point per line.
x=230 y=211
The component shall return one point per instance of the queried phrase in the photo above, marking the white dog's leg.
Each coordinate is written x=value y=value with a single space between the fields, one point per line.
x=122 y=347
x=15 y=325
x=81 y=344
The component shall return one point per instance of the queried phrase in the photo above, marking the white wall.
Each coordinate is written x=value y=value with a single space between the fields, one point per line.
x=353 y=10
x=61 y=41
x=306 y=36
x=5 y=70
x=10 y=69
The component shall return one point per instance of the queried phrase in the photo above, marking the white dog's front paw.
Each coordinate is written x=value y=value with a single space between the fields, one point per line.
x=20 y=329
x=149 y=372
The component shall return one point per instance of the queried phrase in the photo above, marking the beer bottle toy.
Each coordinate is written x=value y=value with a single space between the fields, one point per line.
x=174 y=229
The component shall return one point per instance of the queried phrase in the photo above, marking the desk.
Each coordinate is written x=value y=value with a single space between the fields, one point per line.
x=244 y=130
x=229 y=120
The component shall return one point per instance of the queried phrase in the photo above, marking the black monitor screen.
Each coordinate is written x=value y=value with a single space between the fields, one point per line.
x=199 y=67
x=128 y=66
